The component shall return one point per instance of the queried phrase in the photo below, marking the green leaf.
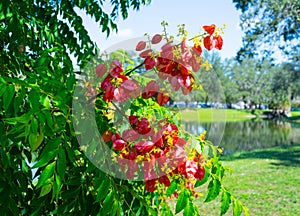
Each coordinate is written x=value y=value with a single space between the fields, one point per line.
x=44 y=59
x=195 y=144
x=34 y=126
x=24 y=119
x=57 y=185
x=19 y=100
x=48 y=117
x=34 y=100
x=8 y=96
x=46 y=189
x=45 y=101
x=166 y=210
x=69 y=194
x=214 y=187
x=182 y=201
x=151 y=211
x=61 y=163
x=114 y=208
x=103 y=189
x=172 y=188
x=46 y=174
x=2 y=89
x=49 y=152
x=237 y=208
x=189 y=209
x=246 y=211
x=107 y=204
x=225 y=202
x=32 y=140
x=38 y=142
x=58 y=181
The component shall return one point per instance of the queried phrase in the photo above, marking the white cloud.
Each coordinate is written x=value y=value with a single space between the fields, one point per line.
x=123 y=33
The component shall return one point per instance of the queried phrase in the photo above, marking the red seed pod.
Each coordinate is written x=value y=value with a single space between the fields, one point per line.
x=156 y=39
x=197 y=50
x=218 y=42
x=132 y=88
x=122 y=163
x=149 y=62
x=181 y=169
x=157 y=139
x=210 y=29
x=116 y=68
x=150 y=185
x=145 y=53
x=106 y=82
x=184 y=70
x=109 y=94
x=100 y=70
x=163 y=76
x=163 y=98
x=140 y=46
x=143 y=126
x=184 y=45
x=186 y=90
x=150 y=89
x=208 y=43
x=195 y=65
x=132 y=155
x=167 y=46
x=119 y=144
x=180 y=142
x=120 y=95
x=144 y=146
x=115 y=137
x=191 y=168
x=199 y=175
x=106 y=136
x=130 y=135
x=132 y=168
x=133 y=120
x=164 y=180
x=174 y=83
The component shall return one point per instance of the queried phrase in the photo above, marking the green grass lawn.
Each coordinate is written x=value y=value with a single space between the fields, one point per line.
x=267 y=181
x=209 y=115
x=295 y=117
x=295 y=114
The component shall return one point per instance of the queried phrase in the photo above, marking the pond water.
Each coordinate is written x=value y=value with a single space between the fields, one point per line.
x=247 y=135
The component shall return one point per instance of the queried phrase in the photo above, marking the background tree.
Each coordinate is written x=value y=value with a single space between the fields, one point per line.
x=285 y=85
x=213 y=78
x=252 y=78
x=230 y=87
x=269 y=23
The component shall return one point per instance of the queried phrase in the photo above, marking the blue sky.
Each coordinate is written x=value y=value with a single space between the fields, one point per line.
x=193 y=13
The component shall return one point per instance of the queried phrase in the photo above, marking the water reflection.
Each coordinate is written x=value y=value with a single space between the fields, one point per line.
x=247 y=135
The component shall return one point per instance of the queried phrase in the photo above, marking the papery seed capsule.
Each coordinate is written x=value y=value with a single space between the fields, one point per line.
x=156 y=39
x=140 y=46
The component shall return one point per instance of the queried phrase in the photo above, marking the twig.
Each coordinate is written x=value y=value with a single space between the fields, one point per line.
x=120 y=111
x=133 y=69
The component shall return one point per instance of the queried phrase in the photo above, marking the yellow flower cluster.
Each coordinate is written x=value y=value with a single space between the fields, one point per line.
x=207 y=65
x=220 y=30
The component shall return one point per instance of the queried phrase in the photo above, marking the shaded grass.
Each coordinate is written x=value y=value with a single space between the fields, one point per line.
x=267 y=181
x=213 y=115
